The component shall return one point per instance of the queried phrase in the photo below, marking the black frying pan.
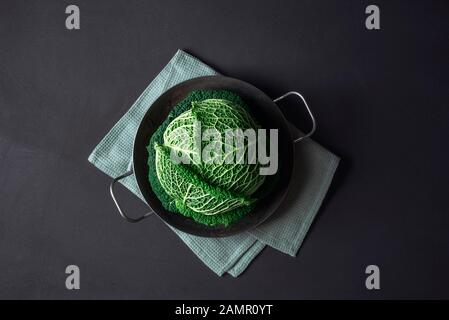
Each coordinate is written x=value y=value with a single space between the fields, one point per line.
x=261 y=107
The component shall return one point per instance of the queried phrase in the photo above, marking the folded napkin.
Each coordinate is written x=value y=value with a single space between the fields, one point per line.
x=284 y=231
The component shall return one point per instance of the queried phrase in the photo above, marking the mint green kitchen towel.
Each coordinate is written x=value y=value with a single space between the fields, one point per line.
x=284 y=231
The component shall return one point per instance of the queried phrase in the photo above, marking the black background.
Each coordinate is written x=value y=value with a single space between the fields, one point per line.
x=380 y=98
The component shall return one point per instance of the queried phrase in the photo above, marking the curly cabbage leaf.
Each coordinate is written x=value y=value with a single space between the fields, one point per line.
x=240 y=176
x=189 y=191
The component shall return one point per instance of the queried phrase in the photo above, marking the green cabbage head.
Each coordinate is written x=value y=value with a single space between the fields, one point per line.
x=216 y=186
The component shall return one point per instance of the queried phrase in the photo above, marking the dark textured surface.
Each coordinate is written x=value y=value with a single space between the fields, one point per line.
x=381 y=99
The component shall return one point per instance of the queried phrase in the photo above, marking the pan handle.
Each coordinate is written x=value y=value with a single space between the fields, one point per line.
x=124 y=216
x=308 y=110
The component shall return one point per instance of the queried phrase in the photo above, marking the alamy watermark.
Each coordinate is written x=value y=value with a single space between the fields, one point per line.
x=372 y=282
x=233 y=146
x=72 y=282
x=72 y=22
x=372 y=22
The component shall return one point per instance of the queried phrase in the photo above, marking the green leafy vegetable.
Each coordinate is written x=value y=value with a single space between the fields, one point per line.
x=189 y=190
x=220 y=115
x=176 y=206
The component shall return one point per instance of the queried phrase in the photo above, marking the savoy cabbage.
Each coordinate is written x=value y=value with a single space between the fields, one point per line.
x=213 y=187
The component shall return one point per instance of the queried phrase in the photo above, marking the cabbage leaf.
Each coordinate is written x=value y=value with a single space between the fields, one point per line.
x=215 y=187
x=189 y=191
x=220 y=115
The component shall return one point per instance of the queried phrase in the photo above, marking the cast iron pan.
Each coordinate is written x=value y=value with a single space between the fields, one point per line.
x=261 y=107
